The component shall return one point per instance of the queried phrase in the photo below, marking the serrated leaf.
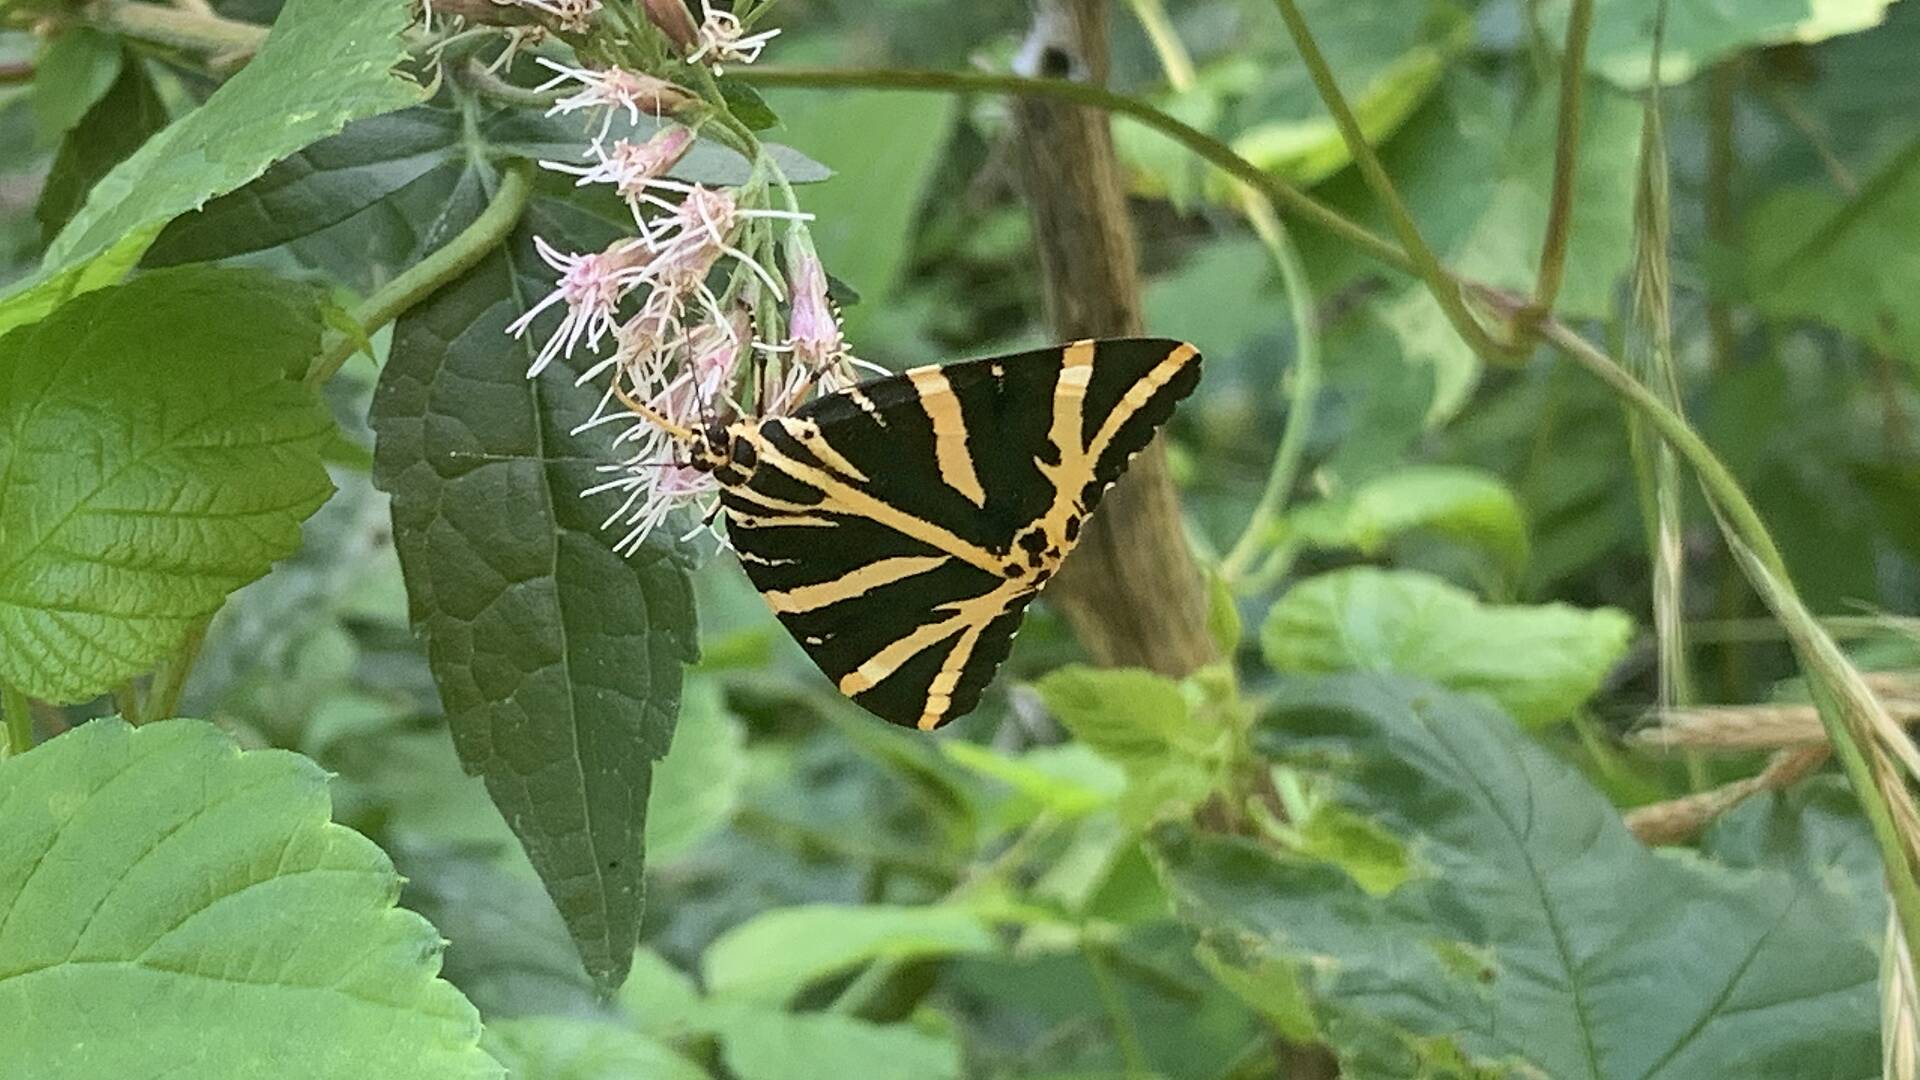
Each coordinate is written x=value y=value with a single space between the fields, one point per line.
x=776 y=955
x=697 y=785
x=1465 y=504
x=175 y=907
x=1544 y=931
x=129 y=114
x=563 y=1048
x=74 y=73
x=155 y=454
x=1540 y=662
x=325 y=63
x=558 y=661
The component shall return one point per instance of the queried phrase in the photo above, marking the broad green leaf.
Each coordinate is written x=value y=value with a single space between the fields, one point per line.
x=662 y=1001
x=531 y=968
x=558 y=661
x=1701 y=32
x=372 y=162
x=129 y=114
x=1545 y=931
x=762 y=1045
x=157 y=452
x=885 y=147
x=325 y=63
x=696 y=786
x=563 y=1048
x=73 y=74
x=1468 y=505
x=1129 y=715
x=775 y=956
x=176 y=907
x=1387 y=57
x=1849 y=263
x=1069 y=781
x=1540 y=662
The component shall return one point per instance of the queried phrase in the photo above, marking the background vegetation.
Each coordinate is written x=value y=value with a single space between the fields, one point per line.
x=1514 y=767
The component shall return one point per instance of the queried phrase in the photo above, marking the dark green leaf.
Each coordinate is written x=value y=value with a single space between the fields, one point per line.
x=388 y=163
x=558 y=661
x=116 y=126
x=1544 y=930
x=156 y=453
x=747 y=105
x=74 y=74
x=175 y=907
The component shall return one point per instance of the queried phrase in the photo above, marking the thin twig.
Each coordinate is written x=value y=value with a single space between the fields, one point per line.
x=1426 y=264
x=446 y=264
x=1566 y=158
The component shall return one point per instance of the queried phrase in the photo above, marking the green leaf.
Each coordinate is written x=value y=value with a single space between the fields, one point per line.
x=126 y=117
x=1545 y=931
x=382 y=162
x=885 y=146
x=1068 y=781
x=697 y=785
x=558 y=661
x=1129 y=715
x=763 y=1045
x=1539 y=662
x=776 y=955
x=175 y=907
x=1844 y=263
x=1701 y=32
x=662 y=1001
x=325 y=63
x=563 y=1048
x=155 y=455
x=73 y=74
x=1468 y=505
x=1388 y=58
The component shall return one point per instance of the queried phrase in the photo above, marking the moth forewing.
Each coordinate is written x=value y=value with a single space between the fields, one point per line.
x=899 y=528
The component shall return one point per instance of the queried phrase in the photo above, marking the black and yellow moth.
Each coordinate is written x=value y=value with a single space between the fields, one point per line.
x=899 y=528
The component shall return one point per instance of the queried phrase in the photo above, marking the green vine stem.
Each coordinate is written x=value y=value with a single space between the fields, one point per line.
x=1426 y=265
x=1566 y=158
x=19 y=718
x=1283 y=195
x=1285 y=470
x=170 y=678
x=446 y=264
x=176 y=27
x=1293 y=443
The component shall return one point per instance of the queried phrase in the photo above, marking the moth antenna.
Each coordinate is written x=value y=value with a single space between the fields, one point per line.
x=652 y=416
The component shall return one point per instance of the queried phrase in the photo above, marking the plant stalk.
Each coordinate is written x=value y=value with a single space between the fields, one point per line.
x=1426 y=265
x=1284 y=195
x=176 y=27
x=446 y=264
x=19 y=721
x=1566 y=159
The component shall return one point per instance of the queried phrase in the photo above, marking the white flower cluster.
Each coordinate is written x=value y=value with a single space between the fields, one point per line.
x=673 y=316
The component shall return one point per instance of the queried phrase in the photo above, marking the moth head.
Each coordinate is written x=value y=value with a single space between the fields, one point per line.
x=723 y=451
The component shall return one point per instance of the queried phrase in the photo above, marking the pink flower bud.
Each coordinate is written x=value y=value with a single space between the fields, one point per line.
x=673 y=19
x=814 y=329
